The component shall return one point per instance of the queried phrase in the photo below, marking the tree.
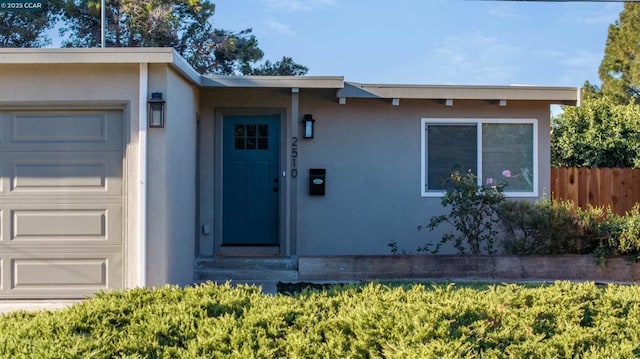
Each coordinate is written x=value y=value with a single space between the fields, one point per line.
x=28 y=28
x=185 y=25
x=600 y=133
x=620 y=68
x=286 y=66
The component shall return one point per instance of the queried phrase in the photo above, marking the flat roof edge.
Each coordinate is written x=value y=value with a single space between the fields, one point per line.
x=167 y=55
x=317 y=82
x=111 y=55
x=563 y=95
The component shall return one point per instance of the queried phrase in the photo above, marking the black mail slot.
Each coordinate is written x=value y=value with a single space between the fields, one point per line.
x=317 y=180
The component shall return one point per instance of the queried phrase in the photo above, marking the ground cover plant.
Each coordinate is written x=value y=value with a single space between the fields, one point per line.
x=353 y=321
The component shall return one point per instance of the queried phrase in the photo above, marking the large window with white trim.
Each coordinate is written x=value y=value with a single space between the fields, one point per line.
x=496 y=150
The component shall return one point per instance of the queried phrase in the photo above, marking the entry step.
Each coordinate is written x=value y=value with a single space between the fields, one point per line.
x=259 y=263
x=246 y=275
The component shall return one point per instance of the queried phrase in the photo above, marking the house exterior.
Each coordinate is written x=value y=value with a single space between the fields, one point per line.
x=92 y=198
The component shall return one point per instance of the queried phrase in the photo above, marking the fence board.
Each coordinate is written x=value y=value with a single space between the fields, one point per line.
x=605 y=186
x=615 y=187
x=554 y=181
x=595 y=198
x=572 y=185
x=582 y=186
x=635 y=185
x=617 y=202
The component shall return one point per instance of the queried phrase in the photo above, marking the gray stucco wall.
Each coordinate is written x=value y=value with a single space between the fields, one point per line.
x=372 y=153
x=171 y=171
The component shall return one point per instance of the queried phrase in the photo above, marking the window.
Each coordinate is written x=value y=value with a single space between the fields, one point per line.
x=496 y=150
x=251 y=137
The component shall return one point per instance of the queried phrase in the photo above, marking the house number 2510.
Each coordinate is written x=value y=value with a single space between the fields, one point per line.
x=294 y=156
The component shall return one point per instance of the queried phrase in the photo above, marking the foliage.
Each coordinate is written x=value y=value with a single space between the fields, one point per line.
x=600 y=133
x=28 y=28
x=374 y=320
x=549 y=227
x=393 y=247
x=552 y=227
x=284 y=67
x=185 y=25
x=605 y=131
x=622 y=234
x=472 y=214
x=620 y=68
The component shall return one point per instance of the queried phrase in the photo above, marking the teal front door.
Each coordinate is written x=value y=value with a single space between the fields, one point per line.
x=251 y=181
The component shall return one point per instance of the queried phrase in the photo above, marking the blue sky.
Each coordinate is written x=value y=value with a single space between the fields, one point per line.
x=431 y=41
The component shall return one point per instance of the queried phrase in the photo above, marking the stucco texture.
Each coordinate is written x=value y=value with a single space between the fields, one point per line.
x=371 y=151
x=372 y=154
x=171 y=178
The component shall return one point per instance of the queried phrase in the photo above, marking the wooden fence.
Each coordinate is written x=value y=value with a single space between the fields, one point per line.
x=616 y=187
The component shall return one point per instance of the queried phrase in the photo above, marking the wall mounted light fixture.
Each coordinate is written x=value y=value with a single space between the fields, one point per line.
x=308 y=126
x=155 y=111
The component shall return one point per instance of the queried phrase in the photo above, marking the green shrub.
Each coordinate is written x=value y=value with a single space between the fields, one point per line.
x=374 y=320
x=549 y=227
x=622 y=234
x=472 y=214
x=555 y=227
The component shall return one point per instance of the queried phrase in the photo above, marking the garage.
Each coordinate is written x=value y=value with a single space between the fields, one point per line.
x=61 y=202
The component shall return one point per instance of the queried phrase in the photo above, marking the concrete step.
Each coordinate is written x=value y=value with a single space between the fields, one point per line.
x=249 y=263
x=222 y=275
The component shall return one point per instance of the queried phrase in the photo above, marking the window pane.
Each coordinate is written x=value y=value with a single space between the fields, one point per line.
x=251 y=130
x=507 y=155
x=239 y=130
x=450 y=147
x=263 y=130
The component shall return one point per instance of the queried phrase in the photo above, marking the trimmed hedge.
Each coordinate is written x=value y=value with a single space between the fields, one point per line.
x=374 y=320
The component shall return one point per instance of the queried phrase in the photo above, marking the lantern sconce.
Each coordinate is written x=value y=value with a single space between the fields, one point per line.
x=309 y=126
x=156 y=110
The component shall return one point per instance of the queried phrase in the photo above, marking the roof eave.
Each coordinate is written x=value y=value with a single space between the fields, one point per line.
x=315 y=82
x=559 y=95
x=112 y=55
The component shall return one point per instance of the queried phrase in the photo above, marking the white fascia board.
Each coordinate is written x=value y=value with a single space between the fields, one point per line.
x=316 y=82
x=563 y=95
x=111 y=55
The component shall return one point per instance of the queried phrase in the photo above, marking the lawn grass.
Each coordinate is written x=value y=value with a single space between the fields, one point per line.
x=395 y=320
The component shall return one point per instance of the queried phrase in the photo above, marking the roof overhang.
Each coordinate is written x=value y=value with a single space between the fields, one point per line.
x=111 y=55
x=316 y=82
x=155 y=55
x=559 y=95
x=161 y=55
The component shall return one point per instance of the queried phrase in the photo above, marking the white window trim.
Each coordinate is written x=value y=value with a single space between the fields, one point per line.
x=478 y=122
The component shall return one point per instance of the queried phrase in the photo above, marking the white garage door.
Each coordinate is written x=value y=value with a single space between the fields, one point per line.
x=61 y=195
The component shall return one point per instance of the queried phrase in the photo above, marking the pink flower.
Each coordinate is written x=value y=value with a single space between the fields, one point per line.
x=506 y=173
x=489 y=180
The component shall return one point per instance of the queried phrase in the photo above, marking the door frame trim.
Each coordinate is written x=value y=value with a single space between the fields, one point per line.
x=218 y=248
